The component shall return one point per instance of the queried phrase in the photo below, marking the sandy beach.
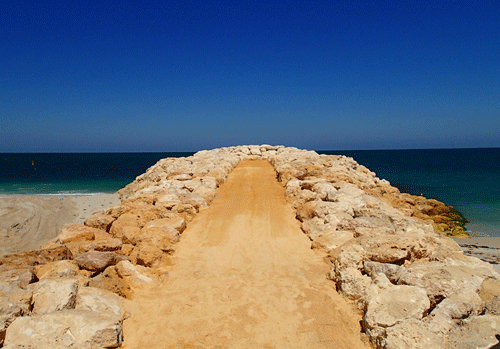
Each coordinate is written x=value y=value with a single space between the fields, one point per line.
x=28 y=221
x=484 y=248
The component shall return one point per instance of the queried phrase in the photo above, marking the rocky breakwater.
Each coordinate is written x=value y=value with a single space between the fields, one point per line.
x=71 y=292
x=415 y=287
x=413 y=284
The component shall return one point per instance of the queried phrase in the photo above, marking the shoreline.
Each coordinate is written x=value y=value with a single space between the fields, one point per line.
x=386 y=251
x=486 y=249
x=29 y=221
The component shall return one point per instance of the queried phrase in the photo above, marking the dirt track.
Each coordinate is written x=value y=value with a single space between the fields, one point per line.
x=244 y=276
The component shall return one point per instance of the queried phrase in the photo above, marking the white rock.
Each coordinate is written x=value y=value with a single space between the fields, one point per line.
x=99 y=300
x=395 y=304
x=129 y=272
x=352 y=283
x=66 y=329
x=451 y=310
x=51 y=295
x=442 y=279
x=412 y=334
x=476 y=332
x=325 y=191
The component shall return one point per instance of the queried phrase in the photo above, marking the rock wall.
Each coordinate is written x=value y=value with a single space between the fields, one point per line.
x=414 y=286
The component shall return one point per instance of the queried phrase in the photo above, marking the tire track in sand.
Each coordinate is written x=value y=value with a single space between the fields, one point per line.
x=244 y=276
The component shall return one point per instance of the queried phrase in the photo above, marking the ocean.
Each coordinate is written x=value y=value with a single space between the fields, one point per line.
x=73 y=173
x=468 y=179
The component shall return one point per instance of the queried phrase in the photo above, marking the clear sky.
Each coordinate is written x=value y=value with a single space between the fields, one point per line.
x=190 y=75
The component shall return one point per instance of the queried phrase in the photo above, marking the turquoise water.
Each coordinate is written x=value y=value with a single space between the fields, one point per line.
x=73 y=173
x=468 y=179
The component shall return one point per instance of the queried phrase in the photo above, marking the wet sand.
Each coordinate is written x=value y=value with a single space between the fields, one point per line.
x=29 y=221
x=484 y=248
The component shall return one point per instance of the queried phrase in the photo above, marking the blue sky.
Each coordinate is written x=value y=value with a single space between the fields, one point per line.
x=190 y=75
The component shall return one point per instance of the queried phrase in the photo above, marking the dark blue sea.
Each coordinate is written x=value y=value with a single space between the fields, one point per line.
x=468 y=179
x=73 y=173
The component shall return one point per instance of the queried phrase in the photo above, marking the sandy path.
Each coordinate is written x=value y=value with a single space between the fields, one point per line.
x=244 y=276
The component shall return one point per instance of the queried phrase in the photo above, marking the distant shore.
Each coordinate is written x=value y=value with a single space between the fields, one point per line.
x=28 y=221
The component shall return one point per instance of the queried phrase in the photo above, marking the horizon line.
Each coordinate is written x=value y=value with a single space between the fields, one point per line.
x=186 y=151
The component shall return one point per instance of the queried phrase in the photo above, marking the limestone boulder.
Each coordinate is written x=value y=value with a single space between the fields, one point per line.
x=315 y=227
x=133 y=218
x=195 y=200
x=180 y=177
x=352 y=283
x=131 y=274
x=293 y=185
x=325 y=191
x=219 y=174
x=443 y=278
x=369 y=226
x=398 y=248
x=175 y=222
x=493 y=306
x=146 y=254
x=12 y=296
x=308 y=211
x=97 y=261
x=447 y=248
x=347 y=256
x=391 y=271
x=99 y=300
x=102 y=235
x=100 y=221
x=129 y=235
x=267 y=147
x=163 y=238
x=205 y=192
x=5 y=322
x=412 y=334
x=476 y=332
x=306 y=196
x=255 y=150
x=331 y=240
x=182 y=210
x=395 y=304
x=168 y=198
x=66 y=329
x=193 y=184
x=490 y=288
x=51 y=295
x=32 y=258
x=59 y=269
x=448 y=314
x=126 y=250
x=113 y=283
x=21 y=276
x=76 y=232
x=103 y=245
